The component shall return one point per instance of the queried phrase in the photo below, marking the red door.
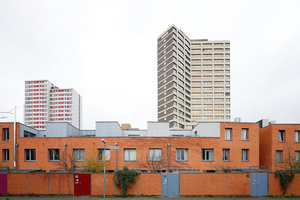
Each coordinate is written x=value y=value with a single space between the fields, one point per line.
x=3 y=183
x=82 y=184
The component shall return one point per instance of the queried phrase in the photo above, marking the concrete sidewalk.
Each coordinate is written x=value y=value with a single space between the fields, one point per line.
x=136 y=198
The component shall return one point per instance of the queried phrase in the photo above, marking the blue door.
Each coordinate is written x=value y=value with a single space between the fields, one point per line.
x=259 y=184
x=170 y=184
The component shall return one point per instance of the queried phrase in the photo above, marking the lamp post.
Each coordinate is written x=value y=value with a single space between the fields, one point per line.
x=104 y=165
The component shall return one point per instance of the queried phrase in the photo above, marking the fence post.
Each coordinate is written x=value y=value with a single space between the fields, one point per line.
x=28 y=182
x=203 y=184
x=290 y=188
x=50 y=182
x=227 y=184
x=137 y=184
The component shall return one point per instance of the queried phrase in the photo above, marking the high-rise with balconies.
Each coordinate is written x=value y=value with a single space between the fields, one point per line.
x=193 y=79
x=45 y=102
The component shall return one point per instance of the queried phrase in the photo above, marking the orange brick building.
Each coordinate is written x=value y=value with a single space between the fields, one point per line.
x=207 y=147
x=279 y=144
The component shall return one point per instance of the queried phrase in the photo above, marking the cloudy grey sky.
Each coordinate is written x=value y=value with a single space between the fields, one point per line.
x=106 y=51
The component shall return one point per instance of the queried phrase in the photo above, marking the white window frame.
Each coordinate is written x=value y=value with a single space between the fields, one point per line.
x=30 y=155
x=5 y=134
x=155 y=155
x=79 y=154
x=206 y=154
x=5 y=155
x=225 y=156
x=245 y=154
x=297 y=156
x=281 y=136
x=101 y=153
x=245 y=135
x=297 y=136
x=182 y=155
x=279 y=154
x=228 y=134
x=54 y=154
x=129 y=154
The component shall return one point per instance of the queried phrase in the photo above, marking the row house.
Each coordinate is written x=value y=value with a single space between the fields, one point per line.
x=208 y=147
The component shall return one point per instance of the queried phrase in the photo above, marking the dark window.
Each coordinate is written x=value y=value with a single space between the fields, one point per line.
x=54 y=155
x=30 y=155
x=207 y=154
x=226 y=153
x=5 y=134
x=245 y=155
x=280 y=136
x=101 y=154
x=5 y=155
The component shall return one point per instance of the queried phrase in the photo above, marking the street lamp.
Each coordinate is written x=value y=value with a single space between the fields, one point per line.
x=102 y=140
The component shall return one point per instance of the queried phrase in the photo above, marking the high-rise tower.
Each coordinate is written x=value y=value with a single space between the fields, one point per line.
x=193 y=79
x=44 y=102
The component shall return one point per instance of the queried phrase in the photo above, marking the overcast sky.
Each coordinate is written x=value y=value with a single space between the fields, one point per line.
x=106 y=51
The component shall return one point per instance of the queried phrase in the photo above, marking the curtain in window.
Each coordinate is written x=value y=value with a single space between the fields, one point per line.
x=155 y=154
x=245 y=154
x=297 y=156
x=278 y=156
x=227 y=134
x=126 y=154
x=297 y=136
x=81 y=154
x=107 y=154
x=210 y=155
x=280 y=136
x=132 y=155
x=185 y=154
x=226 y=154
x=244 y=134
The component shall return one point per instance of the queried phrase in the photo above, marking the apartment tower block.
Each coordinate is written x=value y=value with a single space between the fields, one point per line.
x=193 y=79
x=45 y=102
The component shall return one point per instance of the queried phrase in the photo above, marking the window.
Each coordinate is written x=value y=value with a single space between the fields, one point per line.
x=30 y=155
x=207 y=154
x=129 y=154
x=5 y=134
x=102 y=153
x=244 y=134
x=181 y=154
x=155 y=155
x=297 y=136
x=245 y=154
x=5 y=155
x=297 y=156
x=226 y=154
x=53 y=154
x=228 y=135
x=280 y=136
x=79 y=154
x=279 y=156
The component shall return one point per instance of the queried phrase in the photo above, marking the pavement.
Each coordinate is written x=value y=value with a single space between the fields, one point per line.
x=135 y=198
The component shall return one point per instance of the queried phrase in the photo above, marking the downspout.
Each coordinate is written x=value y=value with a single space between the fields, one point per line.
x=15 y=139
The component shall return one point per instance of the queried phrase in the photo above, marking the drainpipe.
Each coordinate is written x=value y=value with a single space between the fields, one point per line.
x=15 y=138
x=168 y=157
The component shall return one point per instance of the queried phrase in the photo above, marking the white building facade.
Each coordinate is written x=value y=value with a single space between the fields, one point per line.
x=44 y=102
x=193 y=79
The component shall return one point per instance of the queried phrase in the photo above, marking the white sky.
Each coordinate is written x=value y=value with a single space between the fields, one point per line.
x=106 y=51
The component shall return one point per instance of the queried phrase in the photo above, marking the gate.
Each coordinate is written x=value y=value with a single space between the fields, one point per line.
x=170 y=183
x=3 y=180
x=82 y=183
x=259 y=181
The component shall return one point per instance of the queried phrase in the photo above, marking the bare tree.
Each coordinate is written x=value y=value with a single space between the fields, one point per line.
x=226 y=168
x=152 y=161
x=286 y=159
x=66 y=161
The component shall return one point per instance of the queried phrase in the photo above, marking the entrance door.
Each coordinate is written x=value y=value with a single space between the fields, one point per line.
x=82 y=184
x=3 y=183
x=259 y=184
x=170 y=184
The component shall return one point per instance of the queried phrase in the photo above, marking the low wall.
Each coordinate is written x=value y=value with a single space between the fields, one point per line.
x=147 y=184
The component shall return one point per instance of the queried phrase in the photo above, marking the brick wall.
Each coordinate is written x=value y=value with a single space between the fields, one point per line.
x=148 y=184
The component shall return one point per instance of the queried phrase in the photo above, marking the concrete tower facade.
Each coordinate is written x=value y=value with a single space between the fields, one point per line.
x=45 y=102
x=193 y=79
